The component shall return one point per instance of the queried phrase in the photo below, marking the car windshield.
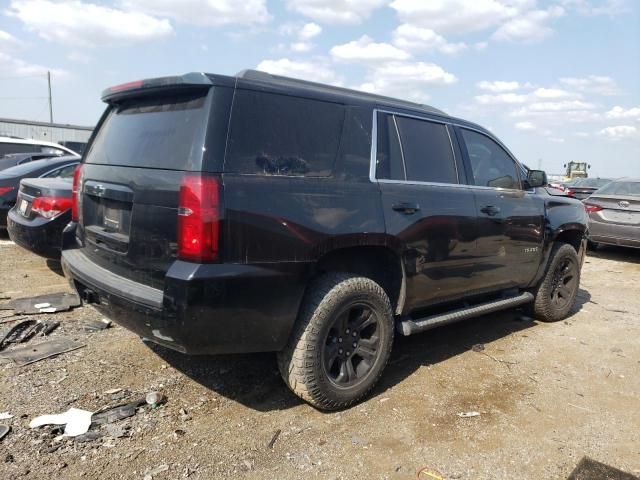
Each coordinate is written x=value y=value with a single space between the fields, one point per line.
x=623 y=188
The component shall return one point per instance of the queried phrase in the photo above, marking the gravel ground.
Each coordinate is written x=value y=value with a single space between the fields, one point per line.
x=547 y=394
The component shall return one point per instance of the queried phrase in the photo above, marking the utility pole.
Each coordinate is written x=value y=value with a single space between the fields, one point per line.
x=50 y=102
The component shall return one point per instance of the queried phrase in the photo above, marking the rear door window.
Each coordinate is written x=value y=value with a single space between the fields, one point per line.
x=414 y=150
x=273 y=134
x=427 y=151
x=491 y=165
x=162 y=132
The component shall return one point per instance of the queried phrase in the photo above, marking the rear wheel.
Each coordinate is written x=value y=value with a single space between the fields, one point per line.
x=341 y=341
x=557 y=292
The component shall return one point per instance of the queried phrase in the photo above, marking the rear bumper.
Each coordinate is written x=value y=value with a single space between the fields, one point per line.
x=624 y=235
x=42 y=237
x=203 y=309
x=621 y=242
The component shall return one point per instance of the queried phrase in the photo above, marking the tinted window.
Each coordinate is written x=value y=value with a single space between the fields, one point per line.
x=389 y=163
x=64 y=172
x=426 y=147
x=281 y=135
x=491 y=164
x=155 y=133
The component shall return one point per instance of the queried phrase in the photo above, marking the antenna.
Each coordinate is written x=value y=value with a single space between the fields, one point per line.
x=50 y=102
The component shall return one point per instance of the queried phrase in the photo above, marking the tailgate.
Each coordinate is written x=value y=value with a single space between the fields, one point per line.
x=131 y=179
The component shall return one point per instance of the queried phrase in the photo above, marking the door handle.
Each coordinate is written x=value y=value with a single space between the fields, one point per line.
x=406 y=208
x=490 y=210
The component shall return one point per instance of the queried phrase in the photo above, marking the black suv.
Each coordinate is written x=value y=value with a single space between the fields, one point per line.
x=217 y=214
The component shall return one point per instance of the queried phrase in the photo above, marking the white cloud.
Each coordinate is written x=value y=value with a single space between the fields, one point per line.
x=545 y=93
x=312 y=71
x=556 y=139
x=480 y=46
x=303 y=33
x=309 y=30
x=15 y=67
x=529 y=27
x=501 y=99
x=582 y=134
x=619 y=112
x=619 y=132
x=600 y=85
x=560 y=106
x=366 y=50
x=335 y=11
x=410 y=37
x=406 y=80
x=205 y=12
x=459 y=16
x=8 y=41
x=79 y=23
x=498 y=86
x=526 y=126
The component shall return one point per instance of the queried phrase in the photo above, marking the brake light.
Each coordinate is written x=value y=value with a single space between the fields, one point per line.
x=592 y=207
x=4 y=190
x=570 y=192
x=50 y=207
x=127 y=86
x=199 y=218
x=75 y=193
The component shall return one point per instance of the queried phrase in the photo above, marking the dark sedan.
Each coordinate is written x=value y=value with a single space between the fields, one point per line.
x=614 y=214
x=13 y=159
x=42 y=210
x=584 y=187
x=47 y=168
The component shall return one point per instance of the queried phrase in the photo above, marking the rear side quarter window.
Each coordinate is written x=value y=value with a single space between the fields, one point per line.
x=491 y=165
x=272 y=134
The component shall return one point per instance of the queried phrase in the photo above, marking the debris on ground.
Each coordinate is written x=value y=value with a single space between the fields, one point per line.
x=150 y=473
x=589 y=469
x=34 y=353
x=97 y=325
x=468 y=414
x=155 y=398
x=5 y=416
x=4 y=430
x=274 y=439
x=26 y=330
x=112 y=391
x=76 y=421
x=117 y=430
x=478 y=347
x=88 y=437
x=117 y=413
x=50 y=303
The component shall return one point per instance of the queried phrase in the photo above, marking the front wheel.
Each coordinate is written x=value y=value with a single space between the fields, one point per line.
x=557 y=292
x=341 y=341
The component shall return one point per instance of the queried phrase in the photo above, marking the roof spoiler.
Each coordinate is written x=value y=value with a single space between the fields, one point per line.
x=150 y=86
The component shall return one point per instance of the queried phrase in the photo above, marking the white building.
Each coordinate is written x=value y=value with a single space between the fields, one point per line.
x=51 y=132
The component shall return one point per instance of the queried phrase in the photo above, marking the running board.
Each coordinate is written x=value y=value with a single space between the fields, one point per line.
x=409 y=327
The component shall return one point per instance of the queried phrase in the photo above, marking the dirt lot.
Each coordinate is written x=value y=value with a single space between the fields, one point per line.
x=547 y=394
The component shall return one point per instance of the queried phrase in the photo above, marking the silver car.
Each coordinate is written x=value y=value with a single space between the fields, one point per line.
x=614 y=213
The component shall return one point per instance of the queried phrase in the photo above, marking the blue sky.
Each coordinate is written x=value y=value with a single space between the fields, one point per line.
x=556 y=80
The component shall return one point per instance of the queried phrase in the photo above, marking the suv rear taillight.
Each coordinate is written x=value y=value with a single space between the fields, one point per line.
x=75 y=193
x=199 y=218
x=50 y=207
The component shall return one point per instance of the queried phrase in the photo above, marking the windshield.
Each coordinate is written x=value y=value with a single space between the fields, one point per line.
x=154 y=133
x=592 y=182
x=623 y=188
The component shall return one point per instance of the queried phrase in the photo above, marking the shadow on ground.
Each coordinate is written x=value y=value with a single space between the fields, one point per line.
x=254 y=381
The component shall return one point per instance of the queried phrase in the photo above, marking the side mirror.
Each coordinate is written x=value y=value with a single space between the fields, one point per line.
x=537 y=178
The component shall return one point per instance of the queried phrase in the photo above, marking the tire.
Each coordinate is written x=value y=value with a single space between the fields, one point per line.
x=556 y=294
x=315 y=362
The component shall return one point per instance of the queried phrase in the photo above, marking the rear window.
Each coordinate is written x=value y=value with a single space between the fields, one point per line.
x=621 y=188
x=163 y=132
x=8 y=148
x=274 y=134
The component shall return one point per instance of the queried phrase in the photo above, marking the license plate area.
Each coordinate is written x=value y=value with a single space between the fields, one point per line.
x=107 y=223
